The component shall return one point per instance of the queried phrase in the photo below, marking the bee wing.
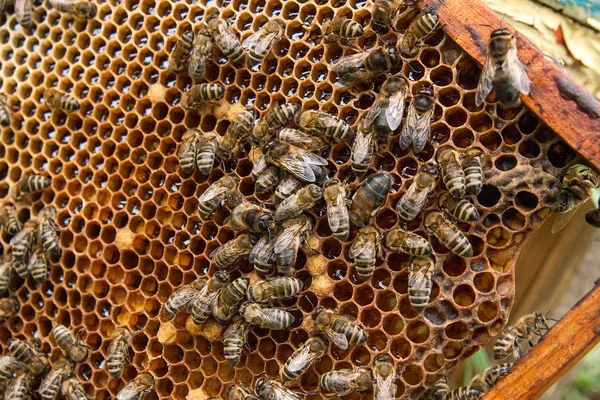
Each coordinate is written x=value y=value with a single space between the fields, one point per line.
x=196 y=297
x=384 y=387
x=516 y=71
x=347 y=64
x=374 y=111
x=293 y=136
x=19 y=236
x=284 y=240
x=280 y=392
x=262 y=250
x=131 y=391
x=301 y=359
x=413 y=242
x=361 y=147
x=395 y=109
x=563 y=219
x=287 y=209
x=298 y=164
x=485 y=85
x=407 y=131
x=265 y=43
x=361 y=246
x=260 y=165
x=333 y=211
x=422 y=130
x=49 y=381
x=214 y=190
x=339 y=339
x=355 y=77
x=417 y=279
x=215 y=252
x=252 y=40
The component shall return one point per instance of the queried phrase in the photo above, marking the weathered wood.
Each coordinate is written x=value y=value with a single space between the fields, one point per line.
x=562 y=104
x=565 y=344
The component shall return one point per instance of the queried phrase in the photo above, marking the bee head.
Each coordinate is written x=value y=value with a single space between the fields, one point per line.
x=432 y=169
x=384 y=358
x=425 y=91
x=379 y=59
x=316 y=312
x=331 y=182
x=243 y=307
x=93 y=10
x=266 y=222
x=230 y=388
x=379 y=28
x=222 y=276
x=259 y=383
x=315 y=191
x=267 y=146
x=500 y=32
x=540 y=321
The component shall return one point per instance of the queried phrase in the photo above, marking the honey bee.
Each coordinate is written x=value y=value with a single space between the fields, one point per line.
x=78 y=8
x=417 y=32
x=9 y=220
x=268 y=389
x=268 y=179
x=252 y=218
x=338 y=328
x=202 y=304
x=242 y=125
x=228 y=254
x=364 y=250
x=287 y=243
x=136 y=389
x=337 y=209
x=415 y=198
x=346 y=381
x=279 y=288
x=419 y=282
x=400 y=241
x=19 y=387
x=473 y=170
x=72 y=389
x=304 y=357
x=118 y=351
x=576 y=189
x=510 y=340
x=502 y=71
x=385 y=115
x=63 y=101
x=48 y=230
x=322 y=123
x=75 y=349
x=50 y=386
x=277 y=116
x=448 y=234
x=181 y=298
x=384 y=375
x=370 y=197
x=362 y=67
x=341 y=28
x=207 y=151
x=31 y=183
x=5 y=269
x=28 y=355
x=5 y=109
x=216 y=194
x=188 y=150
x=382 y=13
x=240 y=392
x=462 y=210
x=304 y=199
x=441 y=388
x=452 y=172
x=23 y=12
x=490 y=377
x=287 y=187
x=200 y=55
x=23 y=242
x=592 y=217
x=266 y=317
x=263 y=256
x=8 y=368
x=260 y=42
x=292 y=159
x=418 y=121
x=300 y=139
x=362 y=153
x=9 y=307
x=181 y=52
x=197 y=95
x=234 y=339
x=227 y=41
x=229 y=299
x=464 y=393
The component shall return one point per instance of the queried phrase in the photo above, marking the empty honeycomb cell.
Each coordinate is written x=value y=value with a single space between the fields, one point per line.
x=511 y=135
x=454 y=265
x=412 y=375
x=559 y=154
x=489 y=196
x=484 y=282
x=529 y=149
x=477 y=244
x=456 y=116
x=386 y=301
x=487 y=311
x=480 y=122
x=393 y=324
x=463 y=295
x=441 y=76
x=513 y=219
x=370 y=317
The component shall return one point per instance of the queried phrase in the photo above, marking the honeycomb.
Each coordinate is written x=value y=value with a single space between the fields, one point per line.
x=131 y=234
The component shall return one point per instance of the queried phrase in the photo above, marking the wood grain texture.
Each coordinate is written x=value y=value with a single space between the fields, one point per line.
x=562 y=104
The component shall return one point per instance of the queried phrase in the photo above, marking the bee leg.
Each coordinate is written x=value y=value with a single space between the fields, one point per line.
x=352 y=44
x=311 y=248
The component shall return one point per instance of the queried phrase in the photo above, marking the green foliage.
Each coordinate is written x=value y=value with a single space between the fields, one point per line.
x=478 y=363
x=586 y=383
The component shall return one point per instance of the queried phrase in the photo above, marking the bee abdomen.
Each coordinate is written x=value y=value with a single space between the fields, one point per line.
x=20 y=350
x=116 y=362
x=339 y=130
x=12 y=226
x=35 y=183
x=365 y=268
x=459 y=245
x=49 y=239
x=208 y=207
x=21 y=268
x=343 y=230
x=360 y=168
x=354 y=333
x=211 y=91
x=285 y=113
x=262 y=269
x=62 y=336
x=187 y=161
x=419 y=297
x=351 y=29
x=474 y=177
x=51 y=391
x=464 y=393
x=39 y=270
x=465 y=211
x=236 y=54
x=426 y=24
x=232 y=349
x=256 y=58
x=286 y=260
x=503 y=346
x=206 y=157
x=455 y=184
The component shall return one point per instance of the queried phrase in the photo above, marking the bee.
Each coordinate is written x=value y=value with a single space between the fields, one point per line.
x=48 y=230
x=287 y=243
x=216 y=194
x=415 y=198
x=260 y=42
x=440 y=388
x=207 y=152
x=287 y=187
x=490 y=377
x=337 y=209
x=5 y=269
x=63 y=101
x=364 y=250
x=72 y=389
x=346 y=381
x=452 y=172
x=200 y=55
x=227 y=255
x=279 y=288
x=341 y=28
x=400 y=241
x=242 y=125
x=9 y=307
x=303 y=140
x=276 y=117
x=75 y=349
x=181 y=52
x=448 y=234
x=473 y=170
x=136 y=389
x=8 y=368
x=362 y=153
x=31 y=183
x=19 y=387
x=180 y=299
x=23 y=12
x=462 y=210
x=419 y=282
x=268 y=179
x=385 y=115
x=362 y=67
x=370 y=197
x=419 y=30
x=592 y=217
x=382 y=13
x=240 y=392
x=464 y=393
x=227 y=41
x=338 y=328
x=9 y=220
x=304 y=199
x=201 y=305
x=304 y=357
x=267 y=389
x=28 y=355
x=188 y=150
x=118 y=351
x=298 y=162
x=384 y=375
x=197 y=95
x=234 y=339
x=252 y=218
x=78 y=8
x=322 y=123
x=510 y=340
x=5 y=109
x=576 y=189
x=266 y=317
x=23 y=242
x=50 y=386
x=502 y=71
x=418 y=121
x=263 y=256
x=229 y=299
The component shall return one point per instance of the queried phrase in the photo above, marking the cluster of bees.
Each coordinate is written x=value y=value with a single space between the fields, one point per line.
x=23 y=9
